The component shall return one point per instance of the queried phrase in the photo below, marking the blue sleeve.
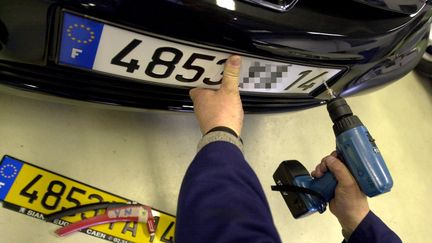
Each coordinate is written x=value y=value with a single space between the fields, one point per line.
x=221 y=200
x=373 y=230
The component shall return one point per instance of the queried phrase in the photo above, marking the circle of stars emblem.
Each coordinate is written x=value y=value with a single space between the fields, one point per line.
x=72 y=29
x=7 y=174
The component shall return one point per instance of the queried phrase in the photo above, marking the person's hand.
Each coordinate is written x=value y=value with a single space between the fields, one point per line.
x=350 y=204
x=221 y=107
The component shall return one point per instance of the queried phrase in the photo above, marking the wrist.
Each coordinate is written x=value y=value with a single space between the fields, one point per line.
x=224 y=129
x=349 y=224
x=215 y=135
x=210 y=126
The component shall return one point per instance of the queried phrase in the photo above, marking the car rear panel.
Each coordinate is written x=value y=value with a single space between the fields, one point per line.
x=356 y=39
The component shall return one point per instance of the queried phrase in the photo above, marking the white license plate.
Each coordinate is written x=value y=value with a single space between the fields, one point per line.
x=93 y=45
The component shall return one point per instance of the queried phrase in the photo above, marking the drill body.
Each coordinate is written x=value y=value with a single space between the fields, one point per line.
x=355 y=147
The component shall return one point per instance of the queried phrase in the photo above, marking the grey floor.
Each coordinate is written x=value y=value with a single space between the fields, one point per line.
x=143 y=156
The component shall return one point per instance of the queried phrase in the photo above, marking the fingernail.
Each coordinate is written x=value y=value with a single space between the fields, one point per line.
x=235 y=60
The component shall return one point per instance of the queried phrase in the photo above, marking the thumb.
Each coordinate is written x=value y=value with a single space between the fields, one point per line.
x=340 y=171
x=231 y=74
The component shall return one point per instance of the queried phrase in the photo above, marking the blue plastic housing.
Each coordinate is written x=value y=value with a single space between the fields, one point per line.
x=325 y=185
x=364 y=160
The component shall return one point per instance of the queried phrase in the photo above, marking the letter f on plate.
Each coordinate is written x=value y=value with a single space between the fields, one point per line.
x=75 y=52
x=2 y=184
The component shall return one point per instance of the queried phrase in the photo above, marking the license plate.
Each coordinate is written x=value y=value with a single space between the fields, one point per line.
x=36 y=192
x=91 y=44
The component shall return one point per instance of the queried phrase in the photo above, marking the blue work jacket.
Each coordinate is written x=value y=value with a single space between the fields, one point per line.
x=222 y=201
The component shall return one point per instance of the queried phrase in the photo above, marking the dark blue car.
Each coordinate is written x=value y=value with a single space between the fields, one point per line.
x=148 y=54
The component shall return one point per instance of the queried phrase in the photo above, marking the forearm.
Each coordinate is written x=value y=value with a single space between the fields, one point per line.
x=221 y=199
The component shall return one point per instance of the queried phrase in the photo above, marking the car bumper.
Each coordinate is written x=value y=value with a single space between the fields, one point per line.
x=370 y=55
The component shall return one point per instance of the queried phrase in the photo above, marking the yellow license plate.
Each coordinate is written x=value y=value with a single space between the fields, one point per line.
x=36 y=192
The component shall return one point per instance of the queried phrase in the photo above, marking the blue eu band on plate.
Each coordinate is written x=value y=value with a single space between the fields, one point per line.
x=80 y=39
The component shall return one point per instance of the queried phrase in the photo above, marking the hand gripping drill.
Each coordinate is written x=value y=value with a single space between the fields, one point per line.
x=355 y=146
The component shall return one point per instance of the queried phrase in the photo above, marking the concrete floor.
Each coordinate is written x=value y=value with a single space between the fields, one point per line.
x=143 y=156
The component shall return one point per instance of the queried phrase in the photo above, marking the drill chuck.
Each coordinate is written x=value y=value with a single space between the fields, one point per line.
x=342 y=116
x=338 y=109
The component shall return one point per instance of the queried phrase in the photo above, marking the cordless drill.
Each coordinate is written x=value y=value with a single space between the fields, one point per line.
x=355 y=146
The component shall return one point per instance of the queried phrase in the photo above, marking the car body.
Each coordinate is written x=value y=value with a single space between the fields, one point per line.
x=148 y=54
x=425 y=66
